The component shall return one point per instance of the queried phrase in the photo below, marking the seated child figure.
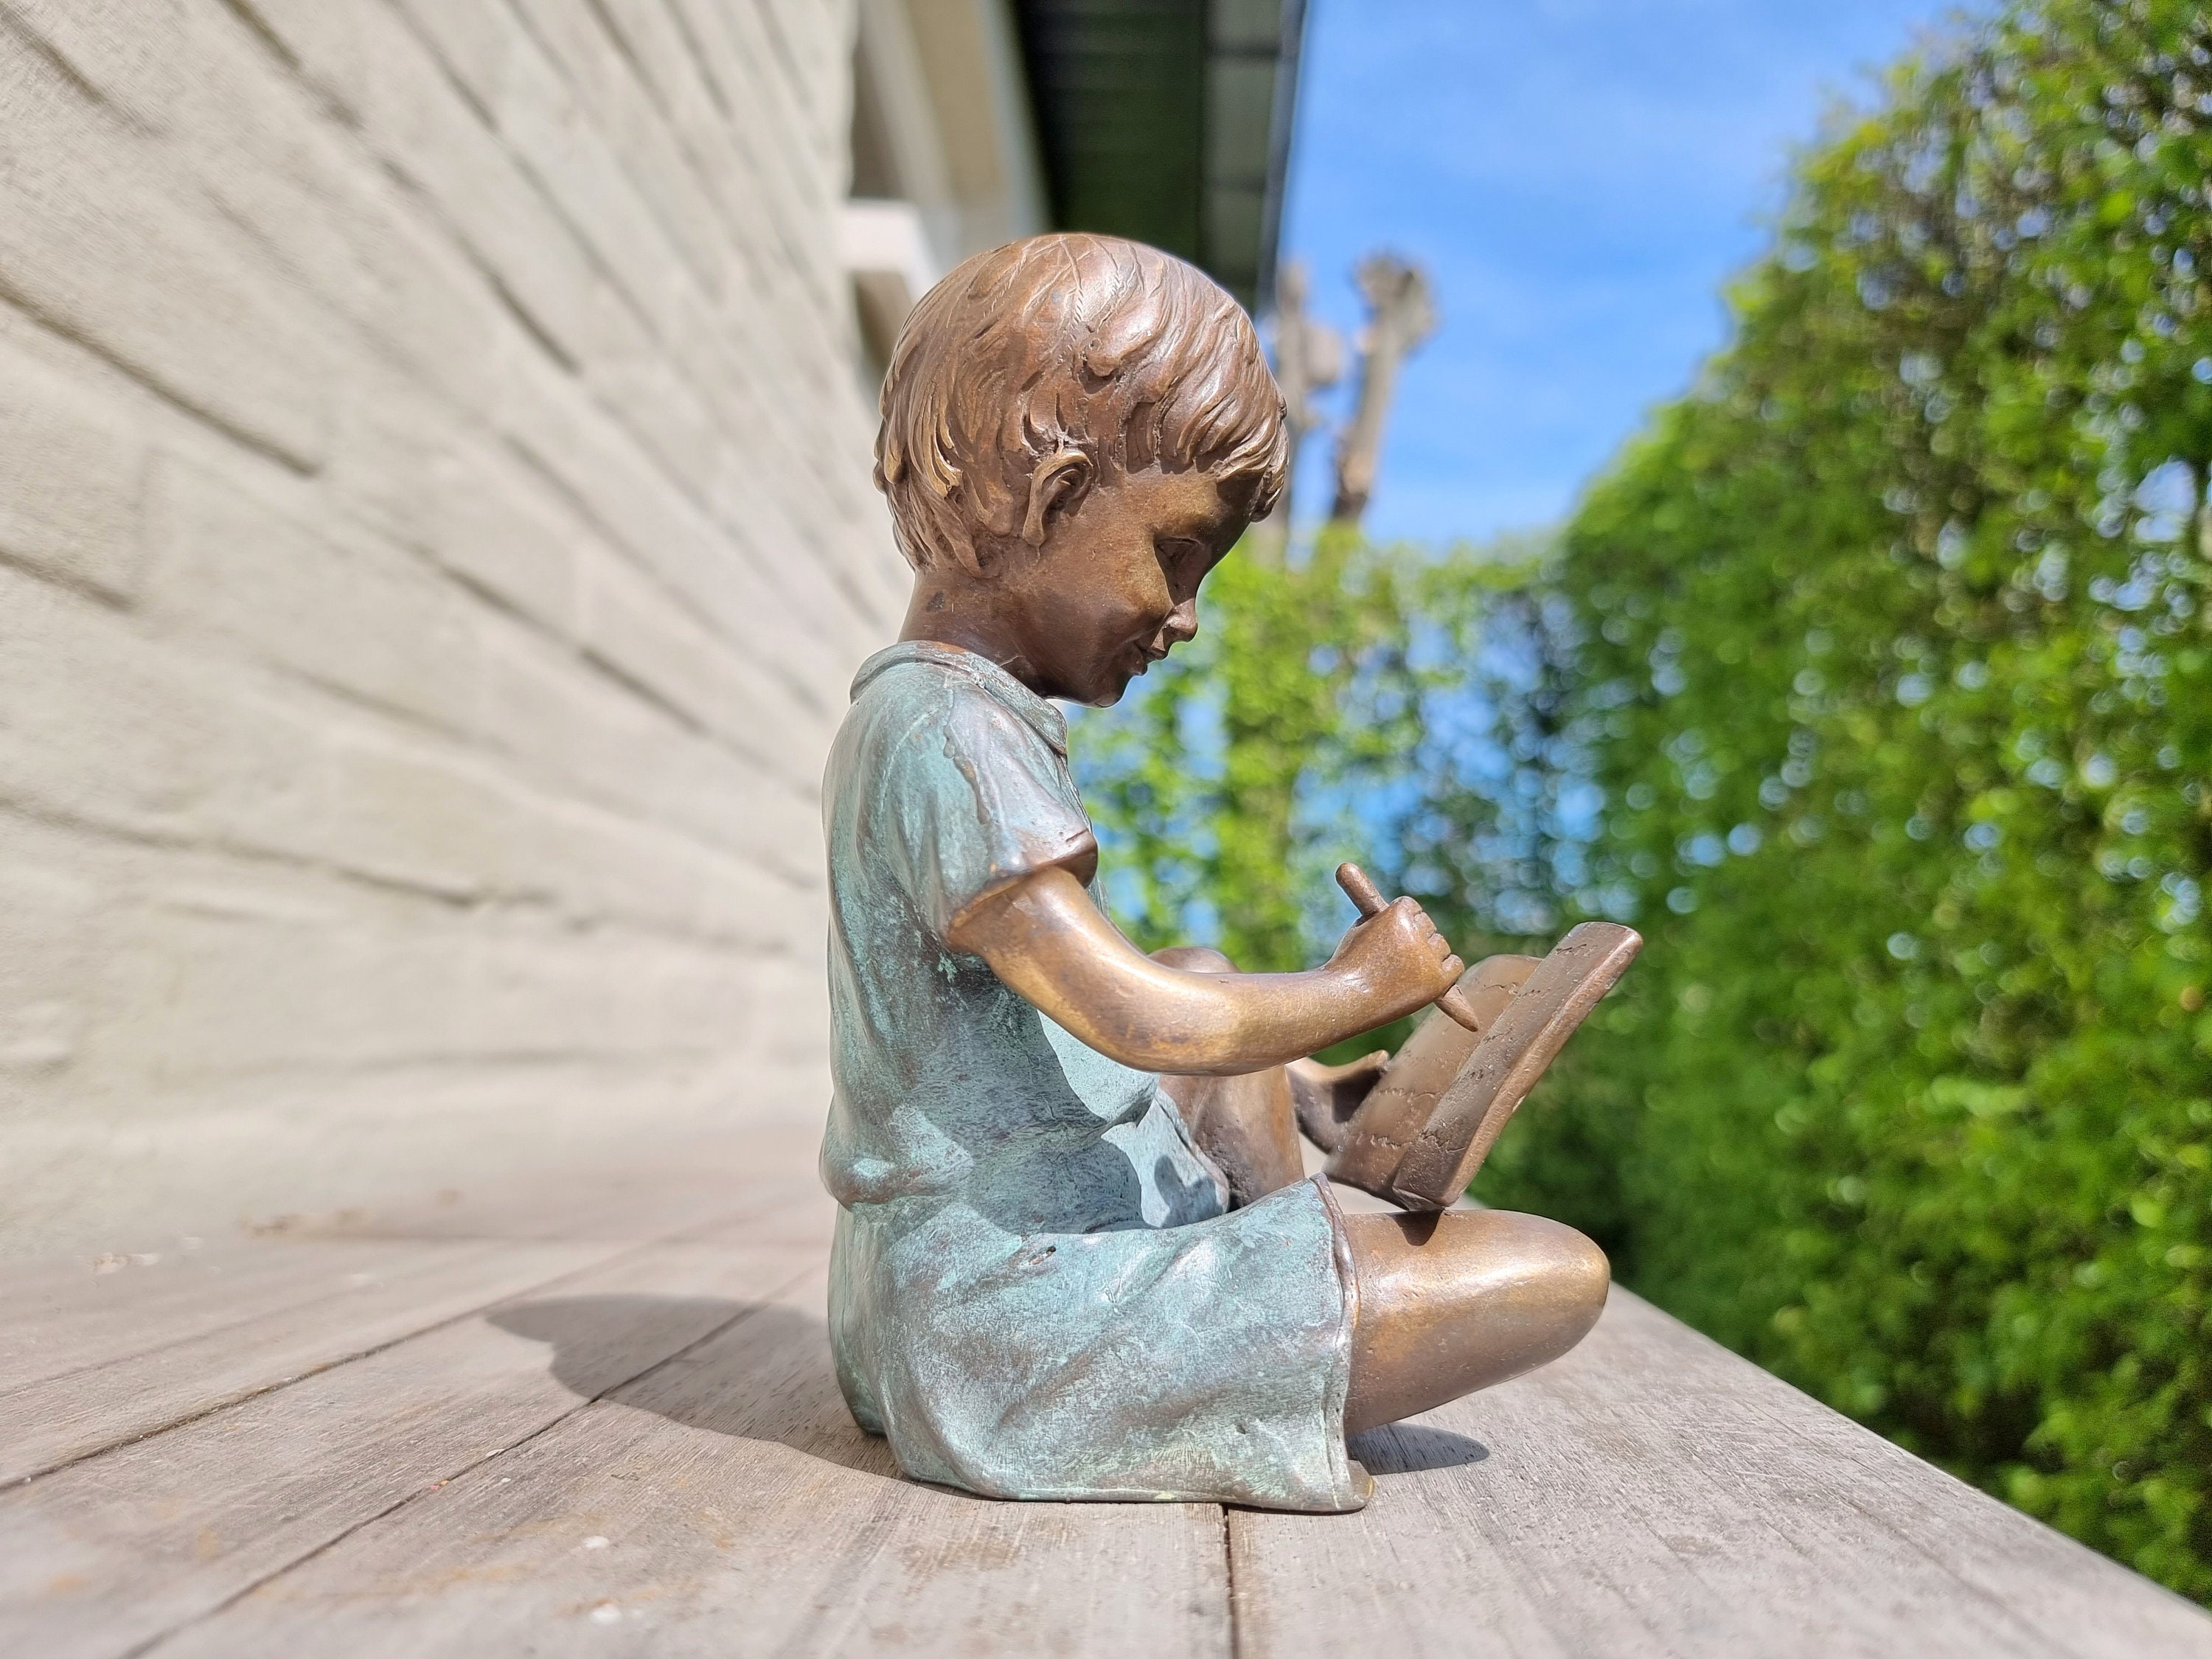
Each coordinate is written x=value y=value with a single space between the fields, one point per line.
x=1043 y=1283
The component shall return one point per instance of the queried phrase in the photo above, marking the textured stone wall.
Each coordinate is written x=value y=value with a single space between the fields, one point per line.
x=434 y=540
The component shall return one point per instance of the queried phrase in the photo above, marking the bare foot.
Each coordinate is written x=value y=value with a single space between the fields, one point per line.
x=1328 y=1096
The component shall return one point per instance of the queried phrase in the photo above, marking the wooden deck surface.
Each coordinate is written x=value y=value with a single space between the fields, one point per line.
x=601 y=1422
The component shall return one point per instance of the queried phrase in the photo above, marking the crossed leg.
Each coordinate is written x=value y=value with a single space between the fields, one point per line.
x=1246 y=1124
x=1448 y=1302
x=1453 y=1301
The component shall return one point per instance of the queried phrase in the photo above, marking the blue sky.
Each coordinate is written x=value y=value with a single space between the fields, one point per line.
x=1580 y=177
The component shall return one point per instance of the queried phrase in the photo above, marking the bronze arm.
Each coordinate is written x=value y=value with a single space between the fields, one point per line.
x=1042 y=935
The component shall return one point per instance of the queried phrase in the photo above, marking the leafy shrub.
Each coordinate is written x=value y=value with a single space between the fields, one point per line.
x=1894 y=670
x=1378 y=703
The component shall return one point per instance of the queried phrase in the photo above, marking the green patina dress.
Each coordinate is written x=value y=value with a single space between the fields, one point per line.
x=1037 y=1288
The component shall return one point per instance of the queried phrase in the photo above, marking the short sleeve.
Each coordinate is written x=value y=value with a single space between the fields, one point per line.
x=973 y=799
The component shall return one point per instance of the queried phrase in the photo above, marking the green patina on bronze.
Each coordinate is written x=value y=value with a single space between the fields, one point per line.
x=1037 y=1289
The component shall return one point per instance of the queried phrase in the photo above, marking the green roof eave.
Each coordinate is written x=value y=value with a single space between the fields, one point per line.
x=1168 y=121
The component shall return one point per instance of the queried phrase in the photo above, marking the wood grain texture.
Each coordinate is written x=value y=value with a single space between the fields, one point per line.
x=724 y=1503
x=759 y=1178
x=63 y=1315
x=354 y=1311
x=90 y=1359
x=649 y=1457
x=69 y=1315
x=118 y=1551
x=1653 y=1494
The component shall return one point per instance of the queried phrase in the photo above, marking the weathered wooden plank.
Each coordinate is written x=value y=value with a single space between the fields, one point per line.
x=57 y=1317
x=115 y=1552
x=725 y=1505
x=1653 y=1494
x=89 y=1357
x=347 y=1312
x=759 y=1183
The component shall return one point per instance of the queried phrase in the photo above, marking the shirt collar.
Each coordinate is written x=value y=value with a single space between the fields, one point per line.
x=980 y=672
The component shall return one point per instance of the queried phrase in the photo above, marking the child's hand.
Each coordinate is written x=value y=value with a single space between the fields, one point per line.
x=1398 y=958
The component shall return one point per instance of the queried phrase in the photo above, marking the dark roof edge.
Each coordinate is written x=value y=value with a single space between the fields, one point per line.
x=1169 y=121
x=1282 y=124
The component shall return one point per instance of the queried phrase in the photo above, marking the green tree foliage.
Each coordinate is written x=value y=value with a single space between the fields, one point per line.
x=1362 y=703
x=1207 y=782
x=1893 y=669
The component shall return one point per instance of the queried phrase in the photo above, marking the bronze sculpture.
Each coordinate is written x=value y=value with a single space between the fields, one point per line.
x=1076 y=1253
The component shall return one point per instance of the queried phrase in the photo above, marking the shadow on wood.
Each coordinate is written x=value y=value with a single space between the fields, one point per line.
x=599 y=1342
x=1414 y=1449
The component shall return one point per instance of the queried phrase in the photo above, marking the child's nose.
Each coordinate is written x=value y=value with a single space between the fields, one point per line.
x=1182 y=624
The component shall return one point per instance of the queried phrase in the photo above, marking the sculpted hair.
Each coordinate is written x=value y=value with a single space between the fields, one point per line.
x=1066 y=342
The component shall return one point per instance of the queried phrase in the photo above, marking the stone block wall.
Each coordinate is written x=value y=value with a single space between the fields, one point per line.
x=434 y=540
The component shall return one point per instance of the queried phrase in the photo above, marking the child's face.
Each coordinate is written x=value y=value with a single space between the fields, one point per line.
x=1116 y=585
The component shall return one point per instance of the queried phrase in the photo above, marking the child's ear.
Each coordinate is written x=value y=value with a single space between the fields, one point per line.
x=1057 y=486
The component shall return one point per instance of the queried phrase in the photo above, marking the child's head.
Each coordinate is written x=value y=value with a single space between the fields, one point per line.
x=1087 y=424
